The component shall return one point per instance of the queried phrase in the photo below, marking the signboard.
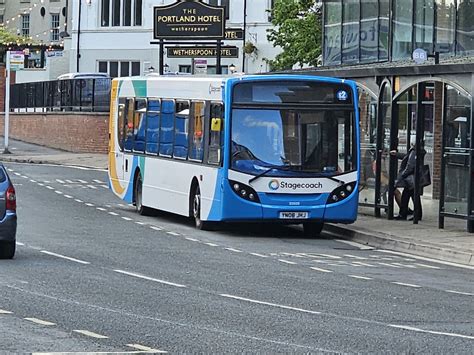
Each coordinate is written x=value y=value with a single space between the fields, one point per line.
x=188 y=20
x=54 y=54
x=200 y=66
x=234 y=34
x=420 y=56
x=202 y=52
x=17 y=60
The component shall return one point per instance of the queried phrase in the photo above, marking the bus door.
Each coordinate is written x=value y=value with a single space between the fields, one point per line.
x=124 y=120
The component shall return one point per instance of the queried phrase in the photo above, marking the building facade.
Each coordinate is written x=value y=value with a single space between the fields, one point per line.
x=114 y=36
x=414 y=63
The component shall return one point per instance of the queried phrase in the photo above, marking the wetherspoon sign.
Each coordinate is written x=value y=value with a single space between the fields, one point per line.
x=188 y=19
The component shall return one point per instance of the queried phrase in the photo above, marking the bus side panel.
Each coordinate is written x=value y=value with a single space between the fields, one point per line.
x=167 y=184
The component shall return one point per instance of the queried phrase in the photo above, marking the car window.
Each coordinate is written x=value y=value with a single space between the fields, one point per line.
x=3 y=177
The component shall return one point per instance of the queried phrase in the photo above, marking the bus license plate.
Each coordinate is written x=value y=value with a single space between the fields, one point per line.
x=293 y=215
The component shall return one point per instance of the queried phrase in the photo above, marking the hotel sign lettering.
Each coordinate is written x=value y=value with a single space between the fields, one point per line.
x=202 y=52
x=189 y=20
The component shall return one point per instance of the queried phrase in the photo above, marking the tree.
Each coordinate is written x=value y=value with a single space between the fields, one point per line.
x=7 y=37
x=297 y=30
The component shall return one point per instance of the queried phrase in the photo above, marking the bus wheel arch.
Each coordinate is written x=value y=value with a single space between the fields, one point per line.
x=137 y=194
x=195 y=207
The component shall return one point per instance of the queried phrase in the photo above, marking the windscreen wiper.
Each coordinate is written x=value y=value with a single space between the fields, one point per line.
x=273 y=167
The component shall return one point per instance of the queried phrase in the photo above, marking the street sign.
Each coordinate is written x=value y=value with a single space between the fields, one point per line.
x=188 y=20
x=420 y=56
x=234 y=34
x=202 y=52
x=200 y=66
x=17 y=60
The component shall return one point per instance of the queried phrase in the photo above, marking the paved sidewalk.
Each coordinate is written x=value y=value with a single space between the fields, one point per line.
x=453 y=244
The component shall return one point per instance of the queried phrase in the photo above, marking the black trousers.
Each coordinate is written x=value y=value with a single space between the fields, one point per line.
x=417 y=209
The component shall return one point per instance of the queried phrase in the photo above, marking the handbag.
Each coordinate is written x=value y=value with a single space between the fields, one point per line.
x=425 y=178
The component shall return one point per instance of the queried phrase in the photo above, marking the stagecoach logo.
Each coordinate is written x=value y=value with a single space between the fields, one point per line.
x=274 y=185
x=342 y=95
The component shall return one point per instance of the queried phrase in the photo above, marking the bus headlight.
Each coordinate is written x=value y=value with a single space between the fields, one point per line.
x=341 y=193
x=244 y=191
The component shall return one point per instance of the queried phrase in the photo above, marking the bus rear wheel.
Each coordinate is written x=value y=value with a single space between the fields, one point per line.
x=196 y=208
x=313 y=229
x=144 y=211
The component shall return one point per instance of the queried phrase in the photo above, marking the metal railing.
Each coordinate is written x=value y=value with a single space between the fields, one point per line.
x=89 y=95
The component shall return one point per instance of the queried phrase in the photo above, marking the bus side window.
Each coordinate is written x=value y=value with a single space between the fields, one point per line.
x=215 y=134
x=180 y=148
x=153 y=126
x=121 y=122
x=196 y=151
x=167 y=128
x=128 y=124
x=139 y=125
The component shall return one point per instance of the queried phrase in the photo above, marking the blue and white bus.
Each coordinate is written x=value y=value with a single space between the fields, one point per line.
x=251 y=148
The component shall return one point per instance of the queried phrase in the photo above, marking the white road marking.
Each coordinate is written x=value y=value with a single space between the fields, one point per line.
x=21 y=244
x=428 y=266
x=259 y=255
x=100 y=209
x=355 y=244
x=17 y=174
x=362 y=264
x=156 y=228
x=49 y=187
x=77 y=200
x=82 y=181
x=68 y=196
x=405 y=284
x=60 y=181
x=31 y=180
x=234 y=250
x=92 y=187
x=355 y=257
x=113 y=214
x=426 y=259
x=405 y=265
x=192 y=239
x=104 y=186
x=40 y=184
x=58 y=192
x=329 y=256
x=89 y=204
x=287 y=262
x=430 y=331
x=126 y=218
x=98 y=181
x=212 y=244
x=65 y=257
x=270 y=304
x=390 y=265
x=90 y=334
x=2 y=311
x=460 y=293
x=146 y=348
x=173 y=233
x=69 y=181
x=360 y=277
x=149 y=278
x=319 y=269
x=39 y=321
x=140 y=223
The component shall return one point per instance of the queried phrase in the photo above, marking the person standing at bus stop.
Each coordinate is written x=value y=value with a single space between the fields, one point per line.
x=406 y=180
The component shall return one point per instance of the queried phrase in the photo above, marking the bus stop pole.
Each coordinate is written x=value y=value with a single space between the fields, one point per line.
x=7 y=103
x=218 y=59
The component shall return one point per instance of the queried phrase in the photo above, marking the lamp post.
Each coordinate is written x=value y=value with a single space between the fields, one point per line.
x=78 y=36
x=243 y=40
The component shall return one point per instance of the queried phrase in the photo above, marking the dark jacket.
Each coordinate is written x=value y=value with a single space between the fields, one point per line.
x=406 y=173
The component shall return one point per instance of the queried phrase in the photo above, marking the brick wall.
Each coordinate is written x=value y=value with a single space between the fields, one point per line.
x=74 y=132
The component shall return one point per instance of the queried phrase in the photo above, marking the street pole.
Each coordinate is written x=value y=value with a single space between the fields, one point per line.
x=7 y=103
x=78 y=36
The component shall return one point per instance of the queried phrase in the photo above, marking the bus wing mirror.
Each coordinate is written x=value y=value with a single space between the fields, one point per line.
x=216 y=124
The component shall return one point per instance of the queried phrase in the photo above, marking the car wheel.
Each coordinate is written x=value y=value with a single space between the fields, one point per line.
x=196 y=208
x=144 y=211
x=313 y=229
x=7 y=250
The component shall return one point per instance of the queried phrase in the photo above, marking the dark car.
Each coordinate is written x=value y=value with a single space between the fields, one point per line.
x=7 y=216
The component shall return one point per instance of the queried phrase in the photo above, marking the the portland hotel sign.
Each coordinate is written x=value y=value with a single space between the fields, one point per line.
x=189 y=20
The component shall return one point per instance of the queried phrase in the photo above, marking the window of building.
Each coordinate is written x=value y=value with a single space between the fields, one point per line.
x=1 y=18
x=184 y=69
x=384 y=24
x=225 y=3
x=25 y=25
x=445 y=22
x=350 y=31
x=121 y=13
x=119 y=68
x=368 y=31
x=332 y=32
x=424 y=24
x=402 y=29
x=465 y=30
x=54 y=27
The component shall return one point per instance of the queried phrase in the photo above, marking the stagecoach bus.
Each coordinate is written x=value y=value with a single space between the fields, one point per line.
x=249 y=148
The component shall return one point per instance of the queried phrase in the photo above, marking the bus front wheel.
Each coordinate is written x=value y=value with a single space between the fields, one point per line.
x=313 y=229
x=144 y=211
x=200 y=224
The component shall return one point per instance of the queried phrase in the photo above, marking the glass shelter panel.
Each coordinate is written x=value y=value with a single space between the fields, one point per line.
x=465 y=30
x=386 y=114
